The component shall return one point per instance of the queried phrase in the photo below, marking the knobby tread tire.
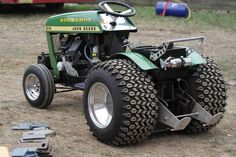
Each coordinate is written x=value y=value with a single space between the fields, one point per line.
x=207 y=86
x=136 y=110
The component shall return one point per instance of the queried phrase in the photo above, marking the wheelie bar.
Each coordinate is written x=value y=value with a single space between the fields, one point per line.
x=202 y=115
x=180 y=122
x=168 y=118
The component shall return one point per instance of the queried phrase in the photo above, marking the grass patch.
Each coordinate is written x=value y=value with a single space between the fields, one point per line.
x=110 y=154
x=231 y=151
x=218 y=140
x=216 y=19
x=79 y=7
x=205 y=19
x=228 y=65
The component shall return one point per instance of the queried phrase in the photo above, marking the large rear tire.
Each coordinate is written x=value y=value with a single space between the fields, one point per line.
x=38 y=86
x=119 y=92
x=208 y=88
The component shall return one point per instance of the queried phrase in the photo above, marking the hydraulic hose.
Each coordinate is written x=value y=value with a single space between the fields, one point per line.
x=189 y=11
x=85 y=53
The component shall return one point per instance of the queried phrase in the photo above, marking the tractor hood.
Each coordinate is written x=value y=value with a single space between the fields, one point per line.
x=88 y=22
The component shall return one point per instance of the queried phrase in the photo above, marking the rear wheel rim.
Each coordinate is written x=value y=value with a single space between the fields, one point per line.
x=100 y=105
x=32 y=87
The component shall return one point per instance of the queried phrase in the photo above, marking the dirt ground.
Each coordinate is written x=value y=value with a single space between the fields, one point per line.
x=22 y=38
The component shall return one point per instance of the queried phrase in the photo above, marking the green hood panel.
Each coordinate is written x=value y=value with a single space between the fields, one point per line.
x=85 y=22
x=88 y=22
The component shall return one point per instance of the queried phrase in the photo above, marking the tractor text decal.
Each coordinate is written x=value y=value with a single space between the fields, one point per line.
x=79 y=28
x=72 y=28
x=156 y=55
x=75 y=20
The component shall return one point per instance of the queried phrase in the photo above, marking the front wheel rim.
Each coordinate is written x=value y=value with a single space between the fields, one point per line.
x=100 y=105
x=32 y=87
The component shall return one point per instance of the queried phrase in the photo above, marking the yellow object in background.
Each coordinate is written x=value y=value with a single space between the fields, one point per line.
x=189 y=11
x=4 y=152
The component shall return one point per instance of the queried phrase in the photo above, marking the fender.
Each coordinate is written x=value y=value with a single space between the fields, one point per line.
x=196 y=58
x=138 y=59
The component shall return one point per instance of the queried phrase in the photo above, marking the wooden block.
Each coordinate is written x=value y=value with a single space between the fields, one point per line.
x=4 y=152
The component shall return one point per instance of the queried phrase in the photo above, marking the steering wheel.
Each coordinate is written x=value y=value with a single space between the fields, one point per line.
x=105 y=7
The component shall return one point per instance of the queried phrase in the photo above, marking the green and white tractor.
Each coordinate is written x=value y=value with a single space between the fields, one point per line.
x=129 y=91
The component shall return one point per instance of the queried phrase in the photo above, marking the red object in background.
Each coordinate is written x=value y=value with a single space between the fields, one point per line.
x=166 y=6
x=43 y=1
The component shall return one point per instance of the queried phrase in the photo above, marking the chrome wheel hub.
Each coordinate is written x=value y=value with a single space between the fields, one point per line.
x=32 y=87
x=100 y=105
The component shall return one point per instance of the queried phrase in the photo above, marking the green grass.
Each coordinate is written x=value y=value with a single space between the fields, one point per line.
x=79 y=7
x=227 y=65
x=231 y=151
x=220 y=20
x=206 y=19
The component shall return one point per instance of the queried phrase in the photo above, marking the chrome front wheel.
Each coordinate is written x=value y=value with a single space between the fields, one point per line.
x=32 y=87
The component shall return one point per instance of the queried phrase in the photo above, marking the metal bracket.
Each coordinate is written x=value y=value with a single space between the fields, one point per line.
x=69 y=69
x=197 y=46
x=169 y=119
x=202 y=115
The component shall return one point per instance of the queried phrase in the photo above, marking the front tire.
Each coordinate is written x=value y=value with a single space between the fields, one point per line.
x=38 y=86
x=129 y=97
